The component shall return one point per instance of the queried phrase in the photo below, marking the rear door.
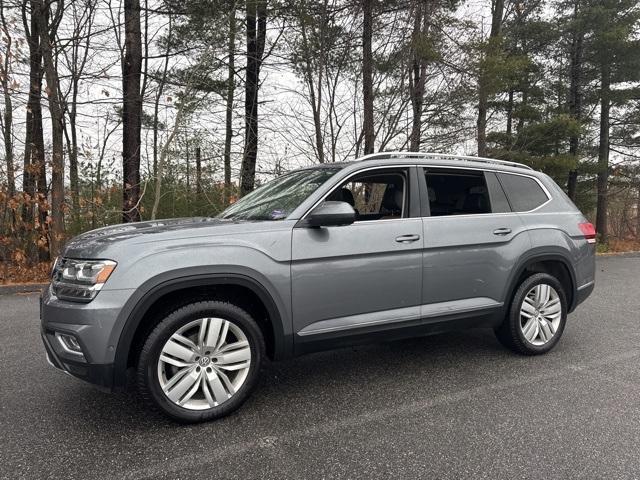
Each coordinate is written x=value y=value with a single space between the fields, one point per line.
x=471 y=241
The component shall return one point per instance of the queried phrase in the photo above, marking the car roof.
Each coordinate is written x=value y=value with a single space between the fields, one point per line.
x=434 y=159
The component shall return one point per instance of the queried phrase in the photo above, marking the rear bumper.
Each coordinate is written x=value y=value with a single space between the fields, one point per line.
x=582 y=293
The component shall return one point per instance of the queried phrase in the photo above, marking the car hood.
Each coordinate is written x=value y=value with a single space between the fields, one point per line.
x=94 y=243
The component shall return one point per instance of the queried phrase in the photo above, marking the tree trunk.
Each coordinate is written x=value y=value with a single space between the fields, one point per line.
x=34 y=178
x=131 y=112
x=315 y=98
x=483 y=93
x=81 y=38
x=367 y=76
x=34 y=169
x=419 y=71
x=638 y=210
x=163 y=156
x=231 y=86
x=256 y=33
x=73 y=159
x=7 y=117
x=8 y=141
x=575 y=102
x=7 y=122
x=509 y=130
x=316 y=101
x=47 y=36
x=481 y=124
x=198 y=172
x=603 y=154
x=188 y=169
x=523 y=104
x=158 y=97
x=572 y=184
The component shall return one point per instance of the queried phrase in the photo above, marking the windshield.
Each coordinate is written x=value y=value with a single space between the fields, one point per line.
x=278 y=198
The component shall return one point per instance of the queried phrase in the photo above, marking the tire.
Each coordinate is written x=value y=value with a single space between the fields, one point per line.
x=547 y=323
x=206 y=356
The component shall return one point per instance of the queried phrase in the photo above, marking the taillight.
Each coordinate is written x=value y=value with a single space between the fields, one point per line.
x=588 y=231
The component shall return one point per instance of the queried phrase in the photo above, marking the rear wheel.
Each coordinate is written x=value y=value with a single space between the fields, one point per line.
x=537 y=316
x=201 y=362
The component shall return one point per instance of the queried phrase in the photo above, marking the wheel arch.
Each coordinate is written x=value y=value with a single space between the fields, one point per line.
x=556 y=264
x=170 y=294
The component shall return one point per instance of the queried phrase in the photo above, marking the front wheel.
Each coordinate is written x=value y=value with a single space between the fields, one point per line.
x=537 y=316
x=201 y=362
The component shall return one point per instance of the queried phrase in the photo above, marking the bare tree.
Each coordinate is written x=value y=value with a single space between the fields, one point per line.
x=6 y=61
x=48 y=22
x=164 y=152
x=159 y=92
x=312 y=57
x=183 y=109
x=76 y=52
x=34 y=177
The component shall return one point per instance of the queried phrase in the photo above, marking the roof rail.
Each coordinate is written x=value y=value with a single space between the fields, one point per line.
x=442 y=156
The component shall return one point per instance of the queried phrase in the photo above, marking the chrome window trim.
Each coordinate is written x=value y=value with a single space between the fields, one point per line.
x=440 y=166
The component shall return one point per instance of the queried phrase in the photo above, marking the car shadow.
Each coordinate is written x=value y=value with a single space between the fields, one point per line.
x=285 y=387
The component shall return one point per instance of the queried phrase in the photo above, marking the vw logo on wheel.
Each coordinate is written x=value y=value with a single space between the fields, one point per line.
x=204 y=361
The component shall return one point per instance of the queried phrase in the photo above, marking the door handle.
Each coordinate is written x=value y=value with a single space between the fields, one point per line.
x=502 y=231
x=407 y=238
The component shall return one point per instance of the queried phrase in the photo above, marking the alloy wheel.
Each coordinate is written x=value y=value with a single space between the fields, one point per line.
x=540 y=314
x=204 y=363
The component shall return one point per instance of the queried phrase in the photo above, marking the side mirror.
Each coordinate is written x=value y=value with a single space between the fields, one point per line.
x=331 y=214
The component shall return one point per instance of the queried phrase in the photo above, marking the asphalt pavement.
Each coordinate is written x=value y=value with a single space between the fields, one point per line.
x=447 y=406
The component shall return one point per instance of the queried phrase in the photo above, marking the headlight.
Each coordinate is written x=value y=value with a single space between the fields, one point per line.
x=80 y=280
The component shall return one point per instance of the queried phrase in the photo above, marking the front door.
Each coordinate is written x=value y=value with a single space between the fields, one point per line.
x=355 y=278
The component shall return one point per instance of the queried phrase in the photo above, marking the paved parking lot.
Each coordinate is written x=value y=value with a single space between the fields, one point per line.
x=448 y=406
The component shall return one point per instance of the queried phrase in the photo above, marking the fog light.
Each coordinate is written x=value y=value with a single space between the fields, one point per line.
x=69 y=343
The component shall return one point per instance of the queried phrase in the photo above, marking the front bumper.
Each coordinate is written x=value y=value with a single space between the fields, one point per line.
x=96 y=328
x=101 y=375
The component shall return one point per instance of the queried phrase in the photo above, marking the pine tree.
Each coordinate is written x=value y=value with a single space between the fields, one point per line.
x=613 y=51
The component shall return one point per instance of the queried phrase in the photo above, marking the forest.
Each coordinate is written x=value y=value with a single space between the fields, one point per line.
x=126 y=110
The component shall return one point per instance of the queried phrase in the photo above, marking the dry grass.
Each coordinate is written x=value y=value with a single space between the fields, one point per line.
x=621 y=245
x=12 y=274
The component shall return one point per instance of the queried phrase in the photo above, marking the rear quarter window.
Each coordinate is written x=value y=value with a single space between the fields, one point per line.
x=524 y=193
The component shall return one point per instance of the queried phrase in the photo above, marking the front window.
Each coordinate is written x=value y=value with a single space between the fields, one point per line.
x=374 y=195
x=278 y=198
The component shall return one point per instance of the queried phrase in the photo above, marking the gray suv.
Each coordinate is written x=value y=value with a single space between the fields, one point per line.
x=393 y=245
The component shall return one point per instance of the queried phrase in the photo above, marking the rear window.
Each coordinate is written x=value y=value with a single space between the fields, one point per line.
x=457 y=192
x=524 y=193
